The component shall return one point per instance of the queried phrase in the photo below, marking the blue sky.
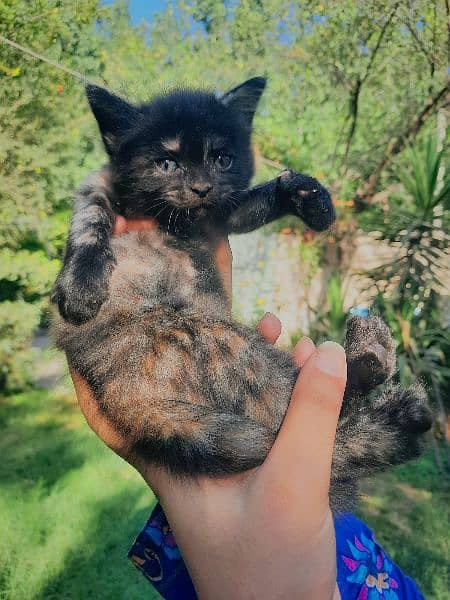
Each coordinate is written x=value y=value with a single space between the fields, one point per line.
x=143 y=9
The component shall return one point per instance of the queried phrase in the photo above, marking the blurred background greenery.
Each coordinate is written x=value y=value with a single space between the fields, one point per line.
x=359 y=96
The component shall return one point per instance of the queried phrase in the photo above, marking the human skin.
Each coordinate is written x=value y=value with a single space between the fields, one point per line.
x=267 y=533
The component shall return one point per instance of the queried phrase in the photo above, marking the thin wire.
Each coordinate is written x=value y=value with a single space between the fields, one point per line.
x=50 y=62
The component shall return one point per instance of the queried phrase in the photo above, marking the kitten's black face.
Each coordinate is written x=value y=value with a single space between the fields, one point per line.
x=180 y=156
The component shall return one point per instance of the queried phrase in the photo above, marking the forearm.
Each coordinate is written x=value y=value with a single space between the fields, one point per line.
x=93 y=217
x=223 y=561
x=82 y=284
x=290 y=193
x=257 y=207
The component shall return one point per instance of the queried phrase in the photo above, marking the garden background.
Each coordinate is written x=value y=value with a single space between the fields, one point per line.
x=358 y=95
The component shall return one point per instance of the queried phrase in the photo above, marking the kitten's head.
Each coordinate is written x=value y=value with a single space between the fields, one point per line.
x=183 y=154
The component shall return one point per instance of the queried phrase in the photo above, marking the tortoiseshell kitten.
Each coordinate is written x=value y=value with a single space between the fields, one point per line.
x=145 y=319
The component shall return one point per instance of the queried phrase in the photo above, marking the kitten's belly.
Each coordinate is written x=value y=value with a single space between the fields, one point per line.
x=161 y=338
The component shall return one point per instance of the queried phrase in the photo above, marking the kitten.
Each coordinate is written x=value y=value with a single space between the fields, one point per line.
x=145 y=318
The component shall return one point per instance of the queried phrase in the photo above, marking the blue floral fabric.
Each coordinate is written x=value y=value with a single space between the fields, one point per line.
x=156 y=554
x=364 y=570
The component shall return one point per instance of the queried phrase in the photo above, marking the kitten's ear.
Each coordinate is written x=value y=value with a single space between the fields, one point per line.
x=115 y=117
x=245 y=97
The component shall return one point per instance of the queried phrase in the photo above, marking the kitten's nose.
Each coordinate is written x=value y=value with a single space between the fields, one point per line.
x=201 y=189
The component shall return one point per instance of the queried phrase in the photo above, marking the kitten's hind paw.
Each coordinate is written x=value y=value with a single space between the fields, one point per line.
x=307 y=198
x=407 y=409
x=370 y=350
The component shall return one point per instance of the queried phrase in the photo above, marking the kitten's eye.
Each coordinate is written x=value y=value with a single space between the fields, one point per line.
x=167 y=165
x=224 y=161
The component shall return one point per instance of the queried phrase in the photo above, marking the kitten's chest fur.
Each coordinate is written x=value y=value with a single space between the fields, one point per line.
x=154 y=269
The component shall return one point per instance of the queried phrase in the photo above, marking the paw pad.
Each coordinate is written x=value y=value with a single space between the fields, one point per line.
x=370 y=352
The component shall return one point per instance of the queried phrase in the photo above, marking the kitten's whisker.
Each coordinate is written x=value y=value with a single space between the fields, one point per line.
x=175 y=222
x=158 y=204
x=163 y=204
x=161 y=211
x=170 y=218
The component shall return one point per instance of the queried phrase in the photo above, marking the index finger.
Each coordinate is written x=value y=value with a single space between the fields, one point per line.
x=224 y=260
x=123 y=225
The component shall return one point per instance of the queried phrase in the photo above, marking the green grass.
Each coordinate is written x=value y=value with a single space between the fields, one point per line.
x=409 y=510
x=69 y=509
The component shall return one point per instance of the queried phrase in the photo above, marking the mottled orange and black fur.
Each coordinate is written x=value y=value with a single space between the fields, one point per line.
x=145 y=319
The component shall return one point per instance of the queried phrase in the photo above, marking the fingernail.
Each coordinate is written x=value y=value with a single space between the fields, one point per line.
x=271 y=316
x=331 y=359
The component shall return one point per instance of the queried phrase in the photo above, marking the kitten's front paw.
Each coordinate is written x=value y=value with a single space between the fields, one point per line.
x=307 y=198
x=370 y=350
x=78 y=305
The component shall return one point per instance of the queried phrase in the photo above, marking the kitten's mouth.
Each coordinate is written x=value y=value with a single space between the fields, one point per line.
x=178 y=215
x=194 y=204
x=192 y=209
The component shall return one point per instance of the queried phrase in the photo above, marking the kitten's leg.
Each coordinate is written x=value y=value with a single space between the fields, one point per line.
x=372 y=438
x=196 y=440
x=290 y=193
x=371 y=360
x=387 y=433
x=219 y=444
x=81 y=286
x=343 y=495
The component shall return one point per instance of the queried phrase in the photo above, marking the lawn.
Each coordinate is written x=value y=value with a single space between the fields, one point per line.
x=409 y=509
x=69 y=509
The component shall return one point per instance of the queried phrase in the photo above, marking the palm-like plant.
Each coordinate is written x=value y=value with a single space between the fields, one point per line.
x=423 y=351
x=329 y=323
x=416 y=226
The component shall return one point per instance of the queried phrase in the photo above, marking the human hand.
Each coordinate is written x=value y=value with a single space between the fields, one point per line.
x=266 y=533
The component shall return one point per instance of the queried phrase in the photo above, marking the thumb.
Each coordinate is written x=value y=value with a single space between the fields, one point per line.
x=303 y=450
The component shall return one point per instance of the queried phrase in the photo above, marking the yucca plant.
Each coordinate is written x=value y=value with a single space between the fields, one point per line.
x=423 y=350
x=329 y=323
x=415 y=224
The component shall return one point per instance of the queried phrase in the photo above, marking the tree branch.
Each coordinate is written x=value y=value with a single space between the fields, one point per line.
x=366 y=192
x=353 y=115
x=356 y=88
x=447 y=10
x=420 y=44
x=380 y=39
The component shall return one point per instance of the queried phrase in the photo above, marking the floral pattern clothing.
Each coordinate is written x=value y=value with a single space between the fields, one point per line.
x=364 y=570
